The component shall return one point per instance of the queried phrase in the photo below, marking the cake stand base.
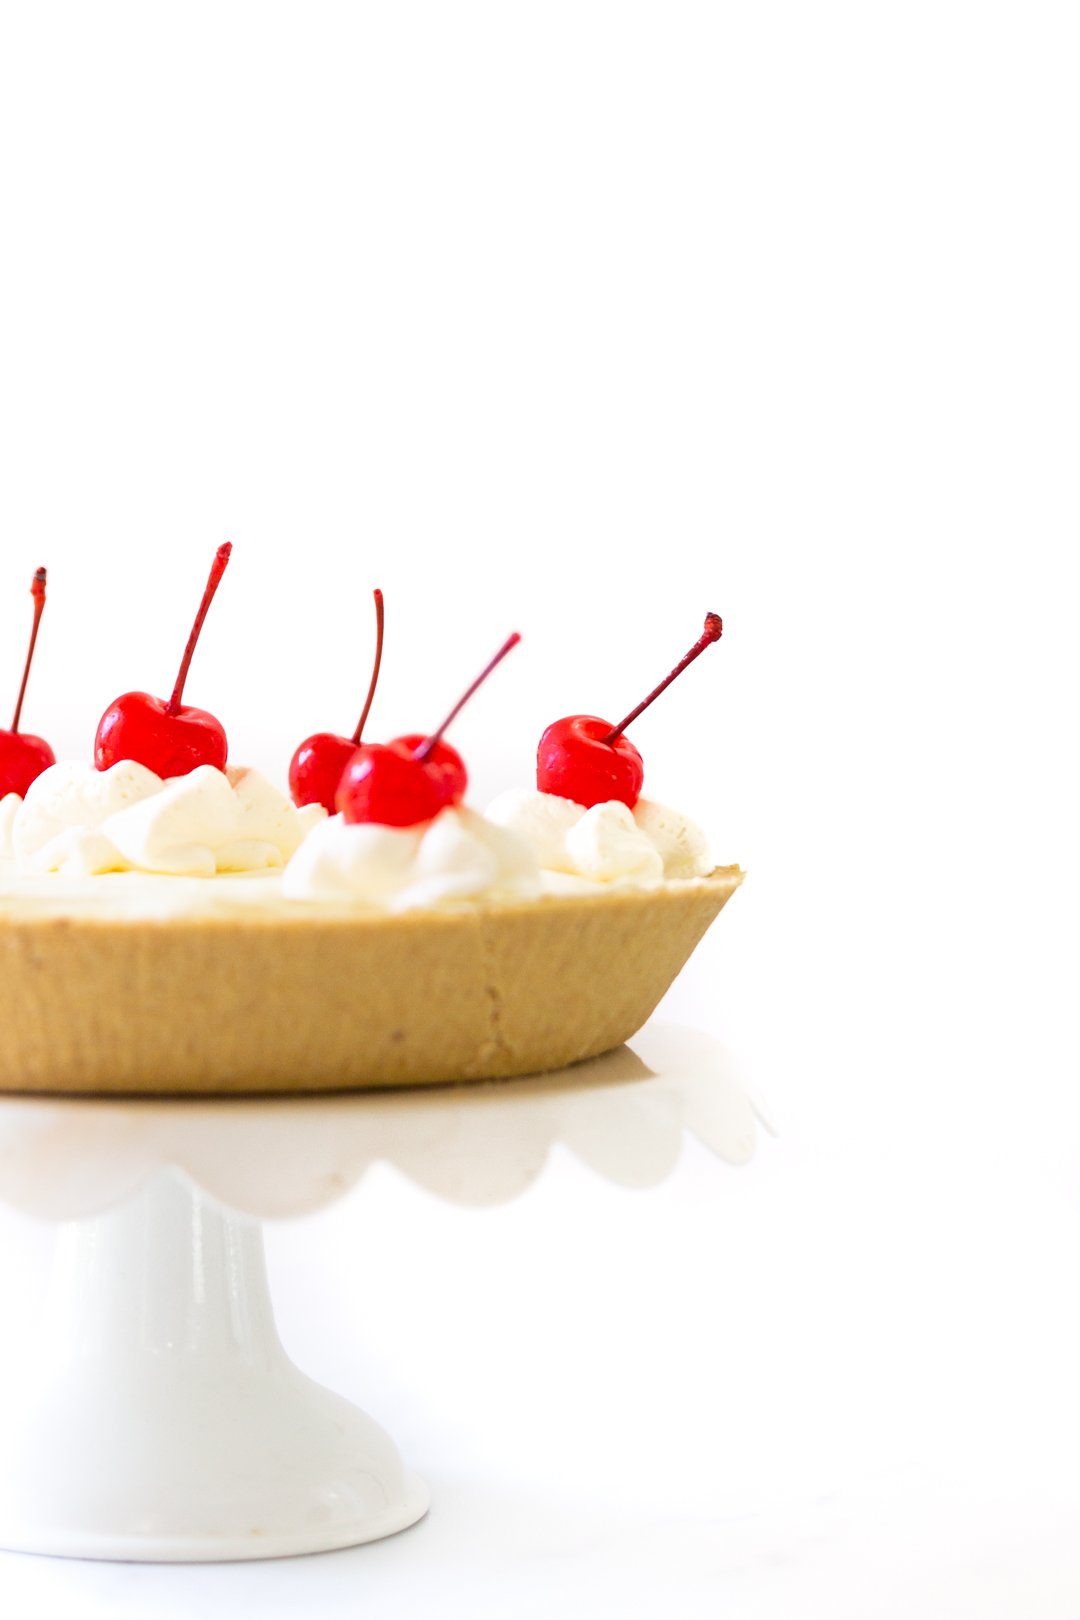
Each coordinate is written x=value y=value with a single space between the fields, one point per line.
x=166 y=1422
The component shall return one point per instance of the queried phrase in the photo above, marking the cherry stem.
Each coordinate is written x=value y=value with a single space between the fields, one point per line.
x=221 y=558
x=428 y=745
x=714 y=626
x=37 y=591
x=362 y=722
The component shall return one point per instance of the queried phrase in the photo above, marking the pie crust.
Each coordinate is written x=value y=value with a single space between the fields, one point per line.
x=298 y=998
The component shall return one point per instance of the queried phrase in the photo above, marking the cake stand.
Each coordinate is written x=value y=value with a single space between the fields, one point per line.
x=165 y=1421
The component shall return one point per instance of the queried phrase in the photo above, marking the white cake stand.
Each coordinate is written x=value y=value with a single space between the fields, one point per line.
x=165 y=1421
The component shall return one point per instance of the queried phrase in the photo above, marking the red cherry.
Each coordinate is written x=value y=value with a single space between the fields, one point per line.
x=170 y=738
x=316 y=769
x=442 y=761
x=576 y=761
x=23 y=757
x=414 y=777
x=388 y=784
x=585 y=759
x=170 y=742
x=319 y=763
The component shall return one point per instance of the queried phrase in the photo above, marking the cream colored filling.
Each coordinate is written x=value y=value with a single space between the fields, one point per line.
x=135 y=894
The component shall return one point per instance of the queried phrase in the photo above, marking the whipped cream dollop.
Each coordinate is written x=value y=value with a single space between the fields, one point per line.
x=458 y=856
x=83 y=822
x=608 y=844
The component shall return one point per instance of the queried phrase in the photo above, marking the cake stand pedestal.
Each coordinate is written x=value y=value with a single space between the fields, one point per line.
x=168 y=1422
x=164 y=1420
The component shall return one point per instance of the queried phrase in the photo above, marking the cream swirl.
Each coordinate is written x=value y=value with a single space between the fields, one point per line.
x=458 y=856
x=608 y=844
x=81 y=821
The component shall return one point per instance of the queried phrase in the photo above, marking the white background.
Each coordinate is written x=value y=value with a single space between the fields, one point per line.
x=582 y=319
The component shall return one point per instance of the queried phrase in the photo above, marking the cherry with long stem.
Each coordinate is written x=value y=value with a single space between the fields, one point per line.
x=317 y=766
x=379 y=625
x=37 y=591
x=411 y=779
x=23 y=757
x=431 y=742
x=713 y=630
x=217 y=568
x=589 y=761
x=170 y=738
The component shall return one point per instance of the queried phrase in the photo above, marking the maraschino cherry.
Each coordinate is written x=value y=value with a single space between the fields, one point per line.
x=171 y=738
x=23 y=757
x=319 y=763
x=589 y=760
x=411 y=779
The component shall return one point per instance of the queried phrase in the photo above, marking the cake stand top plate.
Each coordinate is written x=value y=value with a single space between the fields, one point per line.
x=624 y=1115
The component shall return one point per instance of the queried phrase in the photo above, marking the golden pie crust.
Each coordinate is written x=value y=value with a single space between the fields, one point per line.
x=292 y=1000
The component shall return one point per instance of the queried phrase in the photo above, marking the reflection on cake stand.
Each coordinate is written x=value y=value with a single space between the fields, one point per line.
x=167 y=1422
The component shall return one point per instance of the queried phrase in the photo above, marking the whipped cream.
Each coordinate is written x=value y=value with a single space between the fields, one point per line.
x=609 y=844
x=84 y=822
x=458 y=856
